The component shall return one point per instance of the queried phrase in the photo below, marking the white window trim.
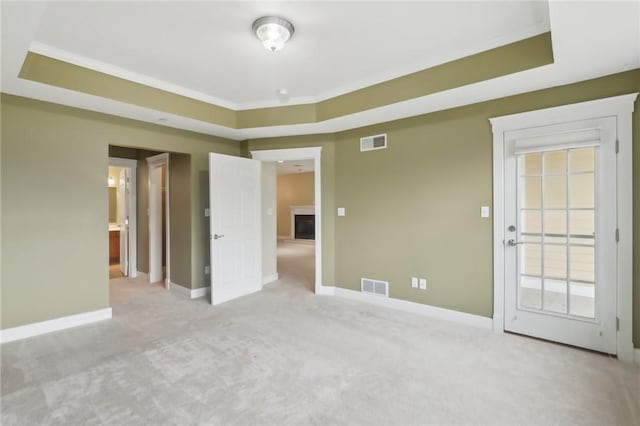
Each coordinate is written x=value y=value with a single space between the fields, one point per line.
x=620 y=107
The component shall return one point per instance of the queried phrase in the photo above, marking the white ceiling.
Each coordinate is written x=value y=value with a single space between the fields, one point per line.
x=206 y=50
x=294 y=166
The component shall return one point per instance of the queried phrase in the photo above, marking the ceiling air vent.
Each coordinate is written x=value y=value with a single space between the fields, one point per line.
x=380 y=288
x=373 y=142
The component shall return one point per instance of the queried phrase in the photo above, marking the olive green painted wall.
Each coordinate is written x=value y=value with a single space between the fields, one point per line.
x=180 y=220
x=328 y=188
x=414 y=209
x=428 y=186
x=54 y=159
x=524 y=54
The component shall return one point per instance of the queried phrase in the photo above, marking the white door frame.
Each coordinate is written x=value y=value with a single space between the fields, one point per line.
x=133 y=211
x=153 y=163
x=315 y=154
x=620 y=107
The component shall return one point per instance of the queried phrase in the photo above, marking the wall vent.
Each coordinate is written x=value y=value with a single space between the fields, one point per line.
x=370 y=143
x=380 y=288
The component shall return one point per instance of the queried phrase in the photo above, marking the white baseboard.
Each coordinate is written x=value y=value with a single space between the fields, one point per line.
x=636 y=355
x=186 y=292
x=200 y=292
x=189 y=293
x=57 y=324
x=269 y=279
x=323 y=290
x=417 y=308
x=143 y=275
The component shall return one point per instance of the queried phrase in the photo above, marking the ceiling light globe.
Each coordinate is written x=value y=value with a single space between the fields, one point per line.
x=273 y=31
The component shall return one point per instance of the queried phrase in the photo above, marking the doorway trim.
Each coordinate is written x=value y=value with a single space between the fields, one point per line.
x=620 y=107
x=153 y=163
x=315 y=154
x=133 y=217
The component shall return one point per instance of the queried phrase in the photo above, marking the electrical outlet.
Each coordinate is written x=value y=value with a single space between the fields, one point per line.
x=423 y=283
x=414 y=282
x=207 y=270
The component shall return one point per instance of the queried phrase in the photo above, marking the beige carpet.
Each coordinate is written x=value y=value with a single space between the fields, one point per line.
x=114 y=272
x=285 y=356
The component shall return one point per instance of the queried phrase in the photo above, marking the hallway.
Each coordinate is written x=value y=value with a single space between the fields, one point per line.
x=296 y=265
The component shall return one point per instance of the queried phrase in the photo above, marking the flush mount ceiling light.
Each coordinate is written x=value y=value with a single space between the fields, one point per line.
x=273 y=31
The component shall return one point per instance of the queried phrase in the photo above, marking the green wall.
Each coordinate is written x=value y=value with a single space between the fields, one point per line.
x=413 y=209
x=55 y=204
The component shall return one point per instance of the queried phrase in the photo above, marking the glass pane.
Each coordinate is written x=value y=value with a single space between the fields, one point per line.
x=583 y=300
x=531 y=221
x=530 y=259
x=582 y=160
x=555 y=222
x=555 y=262
x=582 y=192
x=531 y=191
x=555 y=240
x=532 y=164
x=555 y=296
x=530 y=295
x=555 y=162
x=555 y=192
x=582 y=227
x=582 y=266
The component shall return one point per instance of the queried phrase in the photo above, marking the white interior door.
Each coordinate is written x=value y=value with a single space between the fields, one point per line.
x=235 y=226
x=560 y=241
x=124 y=211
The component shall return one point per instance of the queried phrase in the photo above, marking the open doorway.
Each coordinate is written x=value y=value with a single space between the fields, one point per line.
x=291 y=212
x=122 y=218
x=295 y=219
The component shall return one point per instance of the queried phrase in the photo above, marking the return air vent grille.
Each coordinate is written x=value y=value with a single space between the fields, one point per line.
x=380 y=288
x=373 y=142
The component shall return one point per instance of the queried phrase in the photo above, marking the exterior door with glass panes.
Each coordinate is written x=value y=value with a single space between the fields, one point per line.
x=560 y=241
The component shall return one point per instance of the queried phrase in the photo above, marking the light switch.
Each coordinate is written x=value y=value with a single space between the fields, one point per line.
x=484 y=211
x=423 y=284
x=206 y=212
x=341 y=211
x=414 y=282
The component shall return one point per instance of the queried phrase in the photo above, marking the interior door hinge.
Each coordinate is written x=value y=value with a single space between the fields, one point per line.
x=618 y=323
x=617 y=146
x=617 y=235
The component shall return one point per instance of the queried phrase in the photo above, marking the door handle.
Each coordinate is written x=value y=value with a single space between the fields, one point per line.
x=514 y=243
x=217 y=236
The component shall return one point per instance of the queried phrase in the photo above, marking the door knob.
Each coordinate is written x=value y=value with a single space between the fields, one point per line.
x=513 y=242
x=217 y=236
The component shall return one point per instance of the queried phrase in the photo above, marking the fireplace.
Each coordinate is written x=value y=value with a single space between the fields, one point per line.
x=305 y=227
